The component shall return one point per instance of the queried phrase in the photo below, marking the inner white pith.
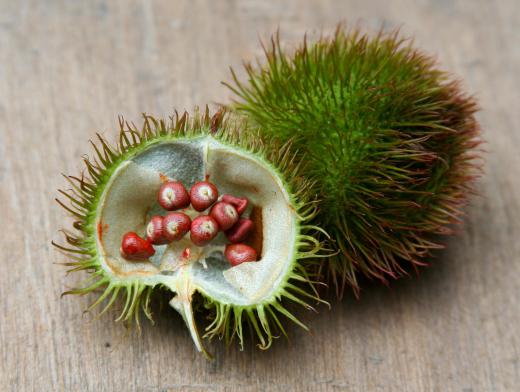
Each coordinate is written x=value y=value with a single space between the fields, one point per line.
x=130 y=200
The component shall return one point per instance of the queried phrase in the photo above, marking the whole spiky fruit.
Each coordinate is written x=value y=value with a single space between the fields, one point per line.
x=120 y=195
x=389 y=138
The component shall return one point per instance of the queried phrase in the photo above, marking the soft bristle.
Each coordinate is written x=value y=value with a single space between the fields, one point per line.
x=390 y=141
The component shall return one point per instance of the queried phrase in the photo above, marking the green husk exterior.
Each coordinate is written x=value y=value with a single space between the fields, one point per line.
x=389 y=140
x=228 y=319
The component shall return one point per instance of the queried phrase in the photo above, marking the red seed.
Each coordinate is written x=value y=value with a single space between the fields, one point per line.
x=173 y=196
x=155 y=231
x=176 y=225
x=134 y=247
x=240 y=231
x=239 y=253
x=202 y=195
x=240 y=203
x=225 y=214
x=203 y=229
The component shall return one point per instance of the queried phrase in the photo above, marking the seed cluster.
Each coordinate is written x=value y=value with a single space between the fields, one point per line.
x=224 y=215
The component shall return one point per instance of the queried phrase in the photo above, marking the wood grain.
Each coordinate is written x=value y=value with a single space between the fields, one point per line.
x=69 y=68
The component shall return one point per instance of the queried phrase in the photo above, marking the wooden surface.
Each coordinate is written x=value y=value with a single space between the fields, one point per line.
x=69 y=68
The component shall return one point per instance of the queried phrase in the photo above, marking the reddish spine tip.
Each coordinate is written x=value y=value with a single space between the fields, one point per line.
x=176 y=225
x=240 y=203
x=240 y=231
x=239 y=253
x=173 y=196
x=136 y=248
x=203 y=229
x=225 y=214
x=202 y=195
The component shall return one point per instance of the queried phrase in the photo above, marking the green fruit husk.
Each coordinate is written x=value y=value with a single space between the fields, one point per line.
x=389 y=139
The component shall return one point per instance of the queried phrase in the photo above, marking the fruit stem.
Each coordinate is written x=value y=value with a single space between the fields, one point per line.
x=182 y=304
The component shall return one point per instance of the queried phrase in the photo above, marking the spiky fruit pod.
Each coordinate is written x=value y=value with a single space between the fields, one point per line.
x=120 y=195
x=390 y=140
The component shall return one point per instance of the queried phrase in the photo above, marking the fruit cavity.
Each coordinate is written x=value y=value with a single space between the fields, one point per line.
x=204 y=228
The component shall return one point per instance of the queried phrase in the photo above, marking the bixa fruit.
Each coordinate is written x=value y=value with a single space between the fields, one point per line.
x=389 y=139
x=128 y=192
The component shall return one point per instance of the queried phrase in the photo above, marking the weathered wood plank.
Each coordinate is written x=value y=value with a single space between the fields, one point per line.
x=68 y=69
